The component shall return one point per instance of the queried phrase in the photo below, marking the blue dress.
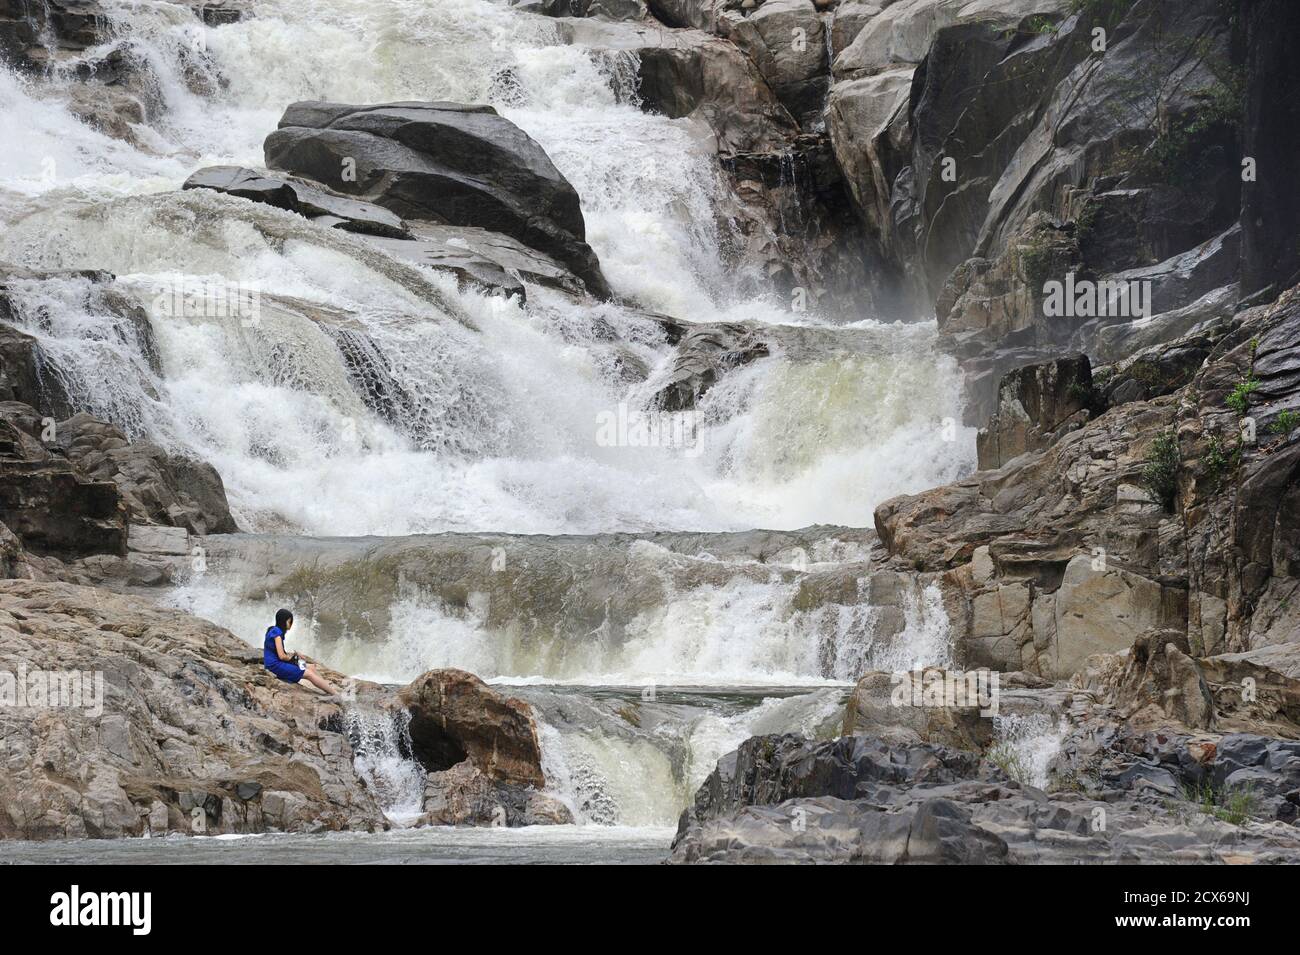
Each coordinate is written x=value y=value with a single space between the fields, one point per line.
x=286 y=670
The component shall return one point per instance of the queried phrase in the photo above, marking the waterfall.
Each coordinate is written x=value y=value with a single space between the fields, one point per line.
x=373 y=397
x=381 y=750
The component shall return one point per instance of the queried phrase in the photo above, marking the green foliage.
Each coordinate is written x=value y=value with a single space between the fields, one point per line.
x=1010 y=762
x=1160 y=472
x=1239 y=398
x=1233 y=806
x=1088 y=396
x=1285 y=422
x=1086 y=221
x=1036 y=256
x=1220 y=462
x=1041 y=25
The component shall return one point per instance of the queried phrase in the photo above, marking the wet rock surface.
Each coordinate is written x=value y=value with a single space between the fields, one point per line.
x=462 y=165
x=171 y=725
x=784 y=799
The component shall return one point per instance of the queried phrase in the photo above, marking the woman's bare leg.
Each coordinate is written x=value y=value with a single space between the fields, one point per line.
x=318 y=681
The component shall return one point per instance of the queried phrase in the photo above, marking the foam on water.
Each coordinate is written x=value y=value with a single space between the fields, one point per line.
x=504 y=436
x=500 y=402
x=1028 y=745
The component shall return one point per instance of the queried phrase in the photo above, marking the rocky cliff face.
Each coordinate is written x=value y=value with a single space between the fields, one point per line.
x=1130 y=532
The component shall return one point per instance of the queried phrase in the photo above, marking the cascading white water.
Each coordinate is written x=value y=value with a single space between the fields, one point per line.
x=381 y=743
x=509 y=412
x=505 y=399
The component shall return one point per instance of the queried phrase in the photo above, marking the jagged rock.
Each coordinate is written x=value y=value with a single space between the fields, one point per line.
x=1034 y=404
x=1162 y=368
x=1241 y=495
x=466 y=796
x=446 y=163
x=849 y=19
x=966 y=132
x=111 y=109
x=26 y=374
x=1160 y=674
x=873 y=710
x=156 y=487
x=856 y=799
x=1257 y=691
x=690 y=73
x=456 y=716
x=1203 y=318
x=194 y=735
x=462 y=796
x=1080 y=526
x=47 y=501
x=310 y=201
x=792 y=223
x=704 y=353
x=786 y=40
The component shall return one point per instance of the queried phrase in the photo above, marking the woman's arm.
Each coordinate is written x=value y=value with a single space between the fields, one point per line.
x=279 y=650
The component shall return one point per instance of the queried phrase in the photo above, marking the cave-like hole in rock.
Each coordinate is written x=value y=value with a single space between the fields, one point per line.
x=432 y=746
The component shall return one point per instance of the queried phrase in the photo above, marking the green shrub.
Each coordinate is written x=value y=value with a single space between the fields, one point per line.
x=1233 y=806
x=1010 y=762
x=1239 y=398
x=1220 y=462
x=1285 y=422
x=1160 y=472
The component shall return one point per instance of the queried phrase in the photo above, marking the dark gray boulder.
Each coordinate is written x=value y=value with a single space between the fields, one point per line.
x=445 y=163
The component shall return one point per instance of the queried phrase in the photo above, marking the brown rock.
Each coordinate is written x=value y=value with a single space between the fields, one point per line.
x=186 y=731
x=455 y=715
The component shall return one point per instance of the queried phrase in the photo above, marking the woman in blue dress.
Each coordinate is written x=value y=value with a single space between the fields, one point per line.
x=290 y=667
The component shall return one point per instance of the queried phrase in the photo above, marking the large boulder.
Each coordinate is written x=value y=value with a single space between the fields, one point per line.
x=445 y=163
x=156 y=487
x=456 y=716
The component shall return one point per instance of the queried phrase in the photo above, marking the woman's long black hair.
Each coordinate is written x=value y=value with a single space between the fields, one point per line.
x=283 y=617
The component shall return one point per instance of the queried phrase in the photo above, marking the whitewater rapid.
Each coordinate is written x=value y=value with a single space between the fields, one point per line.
x=510 y=394
x=502 y=432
